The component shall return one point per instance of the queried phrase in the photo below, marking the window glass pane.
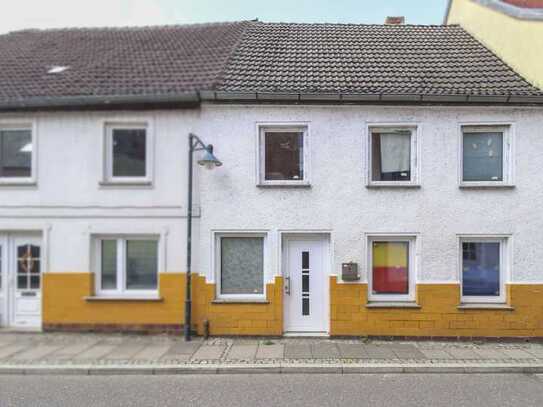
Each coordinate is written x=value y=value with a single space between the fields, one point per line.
x=483 y=157
x=109 y=265
x=481 y=268
x=284 y=156
x=391 y=156
x=15 y=153
x=129 y=152
x=141 y=264
x=242 y=265
x=390 y=268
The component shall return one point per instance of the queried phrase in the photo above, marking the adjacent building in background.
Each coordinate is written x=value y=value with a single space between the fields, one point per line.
x=376 y=180
x=513 y=29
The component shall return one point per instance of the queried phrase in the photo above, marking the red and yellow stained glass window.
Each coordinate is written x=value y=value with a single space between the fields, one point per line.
x=390 y=268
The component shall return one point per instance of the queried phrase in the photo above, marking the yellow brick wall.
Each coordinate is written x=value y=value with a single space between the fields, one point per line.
x=64 y=304
x=238 y=319
x=438 y=316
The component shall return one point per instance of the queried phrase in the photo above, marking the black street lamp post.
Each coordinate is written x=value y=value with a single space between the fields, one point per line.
x=209 y=161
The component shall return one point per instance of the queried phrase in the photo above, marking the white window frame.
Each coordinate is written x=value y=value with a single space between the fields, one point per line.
x=23 y=125
x=413 y=240
x=121 y=290
x=107 y=148
x=415 y=153
x=217 y=265
x=262 y=128
x=505 y=266
x=507 y=129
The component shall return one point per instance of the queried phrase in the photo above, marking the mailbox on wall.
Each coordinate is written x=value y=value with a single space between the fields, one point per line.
x=349 y=272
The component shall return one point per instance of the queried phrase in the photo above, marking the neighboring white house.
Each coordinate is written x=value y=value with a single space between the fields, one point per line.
x=376 y=180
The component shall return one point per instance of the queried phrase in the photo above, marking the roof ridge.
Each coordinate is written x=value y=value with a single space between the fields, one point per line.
x=126 y=27
x=218 y=79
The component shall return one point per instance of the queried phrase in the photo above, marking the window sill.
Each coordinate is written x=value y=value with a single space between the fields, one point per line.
x=385 y=304
x=284 y=185
x=135 y=184
x=17 y=183
x=240 y=301
x=504 y=307
x=392 y=185
x=123 y=298
x=485 y=185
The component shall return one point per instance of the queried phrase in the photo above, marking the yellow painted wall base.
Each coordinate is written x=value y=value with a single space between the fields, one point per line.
x=64 y=302
x=235 y=318
x=65 y=306
x=438 y=316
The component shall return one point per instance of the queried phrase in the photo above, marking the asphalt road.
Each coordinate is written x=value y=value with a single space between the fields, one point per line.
x=274 y=390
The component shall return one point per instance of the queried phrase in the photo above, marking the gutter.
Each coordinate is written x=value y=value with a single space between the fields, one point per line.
x=294 y=97
x=194 y=99
x=70 y=102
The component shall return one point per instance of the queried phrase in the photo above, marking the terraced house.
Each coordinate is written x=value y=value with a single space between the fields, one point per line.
x=376 y=180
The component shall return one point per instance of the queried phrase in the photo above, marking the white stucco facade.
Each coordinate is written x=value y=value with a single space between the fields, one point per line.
x=338 y=201
x=69 y=204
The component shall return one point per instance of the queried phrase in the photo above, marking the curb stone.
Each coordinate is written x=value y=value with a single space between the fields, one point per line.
x=290 y=368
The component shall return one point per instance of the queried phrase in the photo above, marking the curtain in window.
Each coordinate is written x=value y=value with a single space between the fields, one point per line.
x=395 y=152
x=390 y=268
x=242 y=265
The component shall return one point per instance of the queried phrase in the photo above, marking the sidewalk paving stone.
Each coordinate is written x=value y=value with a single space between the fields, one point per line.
x=35 y=353
x=7 y=351
x=68 y=352
x=153 y=352
x=124 y=352
x=407 y=352
x=270 y=351
x=516 y=354
x=209 y=352
x=462 y=353
x=353 y=351
x=325 y=351
x=436 y=354
x=298 y=351
x=379 y=352
x=95 y=352
x=242 y=352
x=487 y=353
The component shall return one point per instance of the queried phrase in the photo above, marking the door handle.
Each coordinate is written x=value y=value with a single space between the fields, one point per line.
x=287 y=285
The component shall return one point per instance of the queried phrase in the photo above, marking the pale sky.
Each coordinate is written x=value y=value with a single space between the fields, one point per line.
x=20 y=14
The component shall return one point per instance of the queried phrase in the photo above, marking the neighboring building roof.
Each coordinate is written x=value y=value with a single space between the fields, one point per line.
x=521 y=9
x=368 y=60
x=250 y=61
x=114 y=62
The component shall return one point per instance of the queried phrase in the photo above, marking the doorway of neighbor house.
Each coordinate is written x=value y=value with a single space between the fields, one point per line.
x=20 y=280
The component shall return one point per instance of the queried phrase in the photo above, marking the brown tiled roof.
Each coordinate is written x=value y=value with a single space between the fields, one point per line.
x=115 y=62
x=368 y=59
x=149 y=63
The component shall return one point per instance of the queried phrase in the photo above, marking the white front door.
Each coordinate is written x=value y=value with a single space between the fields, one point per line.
x=306 y=286
x=21 y=260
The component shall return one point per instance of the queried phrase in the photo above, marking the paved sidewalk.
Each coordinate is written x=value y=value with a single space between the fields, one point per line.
x=41 y=353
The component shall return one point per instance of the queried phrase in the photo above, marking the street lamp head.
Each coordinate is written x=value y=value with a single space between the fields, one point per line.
x=209 y=160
